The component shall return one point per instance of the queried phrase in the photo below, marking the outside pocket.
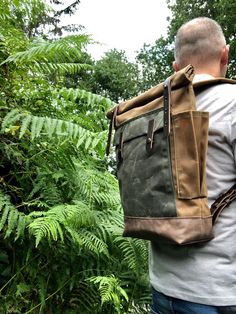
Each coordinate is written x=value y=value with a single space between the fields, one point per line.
x=188 y=151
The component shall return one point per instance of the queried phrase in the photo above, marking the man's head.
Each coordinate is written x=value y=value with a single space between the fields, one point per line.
x=201 y=42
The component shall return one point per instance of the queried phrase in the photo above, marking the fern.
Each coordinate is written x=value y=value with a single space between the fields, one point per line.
x=135 y=252
x=60 y=68
x=41 y=126
x=139 y=309
x=22 y=288
x=50 y=126
x=91 y=242
x=66 y=218
x=42 y=288
x=25 y=124
x=96 y=185
x=64 y=49
x=11 y=118
x=12 y=221
x=71 y=218
x=89 y=99
x=21 y=226
x=46 y=227
x=37 y=126
x=49 y=225
x=85 y=297
x=110 y=290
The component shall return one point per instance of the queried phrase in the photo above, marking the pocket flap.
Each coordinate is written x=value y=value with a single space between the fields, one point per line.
x=139 y=126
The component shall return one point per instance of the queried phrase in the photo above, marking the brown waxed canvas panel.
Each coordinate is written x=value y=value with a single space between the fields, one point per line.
x=190 y=177
x=161 y=146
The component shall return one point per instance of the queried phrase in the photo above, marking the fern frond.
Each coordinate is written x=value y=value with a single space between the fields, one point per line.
x=46 y=227
x=21 y=226
x=72 y=218
x=85 y=297
x=79 y=216
x=99 y=187
x=62 y=50
x=12 y=221
x=21 y=288
x=10 y=118
x=25 y=124
x=94 y=244
x=88 y=98
x=5 y=213
x=139 y=308
x=36 y=126
x=60 y=68
x=45 y=189
x=48 y=127
x=49 y=225
x=110 y=290
x=135 y=252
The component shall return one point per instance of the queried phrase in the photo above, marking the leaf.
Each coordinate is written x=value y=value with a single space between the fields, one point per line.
x=9 y=118
x=25 y=124
x=12 y=220
x=4 y=217
x=39 y=126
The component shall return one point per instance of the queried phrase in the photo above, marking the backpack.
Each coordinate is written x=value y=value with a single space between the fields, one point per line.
x=161 y=147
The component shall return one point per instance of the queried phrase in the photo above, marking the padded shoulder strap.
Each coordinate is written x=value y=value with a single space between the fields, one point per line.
x=213 y=81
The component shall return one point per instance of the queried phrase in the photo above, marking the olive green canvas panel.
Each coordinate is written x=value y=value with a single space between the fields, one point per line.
x=143 y=167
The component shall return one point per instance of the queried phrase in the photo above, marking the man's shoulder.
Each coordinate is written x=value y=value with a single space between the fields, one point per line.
x=225 y=89
x=219 y=96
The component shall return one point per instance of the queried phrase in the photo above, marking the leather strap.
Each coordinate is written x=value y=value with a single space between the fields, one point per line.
x=150 y=136
x=167 y=105
x=111 y=127
x=223 y=201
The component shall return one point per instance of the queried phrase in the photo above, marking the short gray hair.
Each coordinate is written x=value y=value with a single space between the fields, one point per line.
x=199 y=40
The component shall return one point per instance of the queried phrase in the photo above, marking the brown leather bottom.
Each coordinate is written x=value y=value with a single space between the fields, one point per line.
x=181 y=230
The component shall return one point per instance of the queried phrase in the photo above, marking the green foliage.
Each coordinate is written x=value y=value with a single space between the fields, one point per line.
x=115 y=76
x=110 y=290
x=61 y=220
x=12 y=221
x=155 y=61
x=23 y=123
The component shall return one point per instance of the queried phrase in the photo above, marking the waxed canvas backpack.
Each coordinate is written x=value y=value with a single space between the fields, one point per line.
x=161 y=147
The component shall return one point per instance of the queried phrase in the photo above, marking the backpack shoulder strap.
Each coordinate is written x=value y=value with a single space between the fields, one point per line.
x=223 y=201
x=213 y=81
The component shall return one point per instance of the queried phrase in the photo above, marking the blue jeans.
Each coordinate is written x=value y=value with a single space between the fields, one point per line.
x=162 y=304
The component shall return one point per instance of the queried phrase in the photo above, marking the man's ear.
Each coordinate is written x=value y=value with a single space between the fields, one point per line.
x=175 y=66
x=225 y=55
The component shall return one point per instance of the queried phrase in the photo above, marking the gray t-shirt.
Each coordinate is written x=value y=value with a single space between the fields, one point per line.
x=206 y=273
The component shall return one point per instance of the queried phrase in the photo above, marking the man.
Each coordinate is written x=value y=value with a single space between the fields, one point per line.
x=201 y=278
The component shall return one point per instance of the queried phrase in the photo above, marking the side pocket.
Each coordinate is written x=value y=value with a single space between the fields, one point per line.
x=188 y=150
